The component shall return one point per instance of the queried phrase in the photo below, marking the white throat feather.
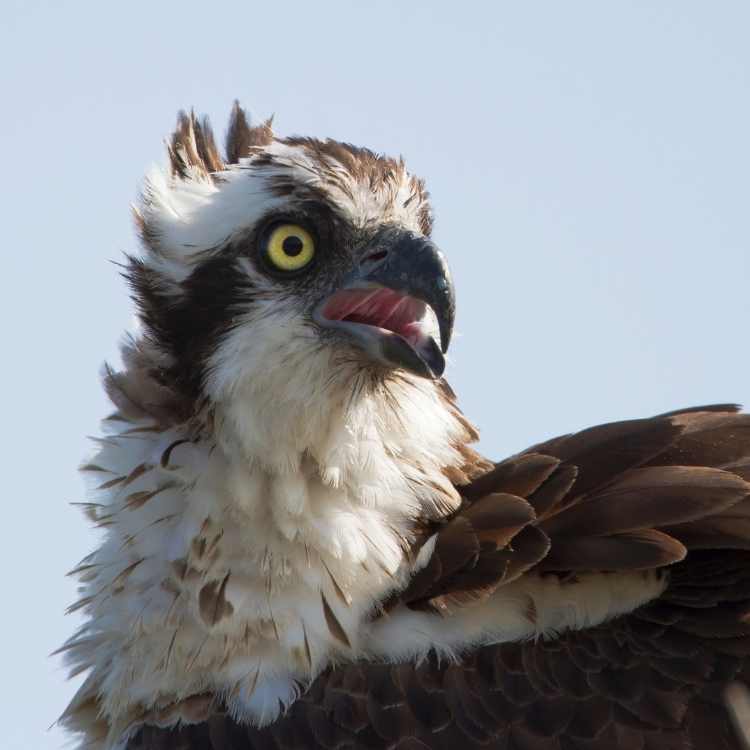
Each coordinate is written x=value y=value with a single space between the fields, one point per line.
x=243 y=561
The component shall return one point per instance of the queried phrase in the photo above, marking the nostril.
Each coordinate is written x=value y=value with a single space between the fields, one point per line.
x=375 y=257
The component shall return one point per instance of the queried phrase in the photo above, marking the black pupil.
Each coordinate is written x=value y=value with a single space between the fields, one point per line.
x=292 y=246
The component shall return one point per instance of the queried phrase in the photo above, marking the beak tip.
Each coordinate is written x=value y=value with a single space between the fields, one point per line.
x=445 y=337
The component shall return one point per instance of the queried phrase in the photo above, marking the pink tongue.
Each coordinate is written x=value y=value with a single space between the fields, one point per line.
x=383 y=308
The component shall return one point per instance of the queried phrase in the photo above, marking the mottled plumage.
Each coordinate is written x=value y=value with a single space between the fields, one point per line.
x=302 y=549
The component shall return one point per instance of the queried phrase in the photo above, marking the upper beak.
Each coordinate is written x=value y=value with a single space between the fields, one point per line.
x=398 y=300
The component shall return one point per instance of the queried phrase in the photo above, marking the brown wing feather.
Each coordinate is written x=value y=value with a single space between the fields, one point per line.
x=668 y=491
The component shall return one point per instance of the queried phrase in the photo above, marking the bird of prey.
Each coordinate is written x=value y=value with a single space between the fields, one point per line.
x=301 y=549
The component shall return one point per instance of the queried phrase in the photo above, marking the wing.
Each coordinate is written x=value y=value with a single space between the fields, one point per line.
x=667 y=493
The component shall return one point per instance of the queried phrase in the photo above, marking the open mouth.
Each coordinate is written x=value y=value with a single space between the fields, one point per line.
x=394 y=326
x=381 y=308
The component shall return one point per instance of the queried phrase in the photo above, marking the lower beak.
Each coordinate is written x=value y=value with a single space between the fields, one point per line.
x=398 y=305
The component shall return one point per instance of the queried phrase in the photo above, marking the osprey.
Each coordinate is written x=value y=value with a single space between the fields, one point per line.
x=301 y=549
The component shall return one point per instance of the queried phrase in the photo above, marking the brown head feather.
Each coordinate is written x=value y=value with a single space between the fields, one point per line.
x=242 y=139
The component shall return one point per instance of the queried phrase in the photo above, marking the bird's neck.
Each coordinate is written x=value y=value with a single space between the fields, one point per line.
x=344 y=434
x=256 y=549
x=321 y=473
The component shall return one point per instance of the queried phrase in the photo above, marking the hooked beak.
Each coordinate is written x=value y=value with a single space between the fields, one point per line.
x=396 y=303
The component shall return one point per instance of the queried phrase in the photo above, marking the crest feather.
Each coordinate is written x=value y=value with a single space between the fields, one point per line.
x=241 y=138
x=192 y=145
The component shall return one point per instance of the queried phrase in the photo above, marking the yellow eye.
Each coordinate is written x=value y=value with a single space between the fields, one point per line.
x=289 y=247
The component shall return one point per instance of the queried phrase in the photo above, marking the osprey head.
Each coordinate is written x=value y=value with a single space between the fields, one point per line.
x=287 y=255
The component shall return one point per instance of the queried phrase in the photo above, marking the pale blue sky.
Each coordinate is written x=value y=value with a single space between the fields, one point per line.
x=589 y=165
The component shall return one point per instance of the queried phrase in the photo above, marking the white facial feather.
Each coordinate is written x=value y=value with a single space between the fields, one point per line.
x=187 y=218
